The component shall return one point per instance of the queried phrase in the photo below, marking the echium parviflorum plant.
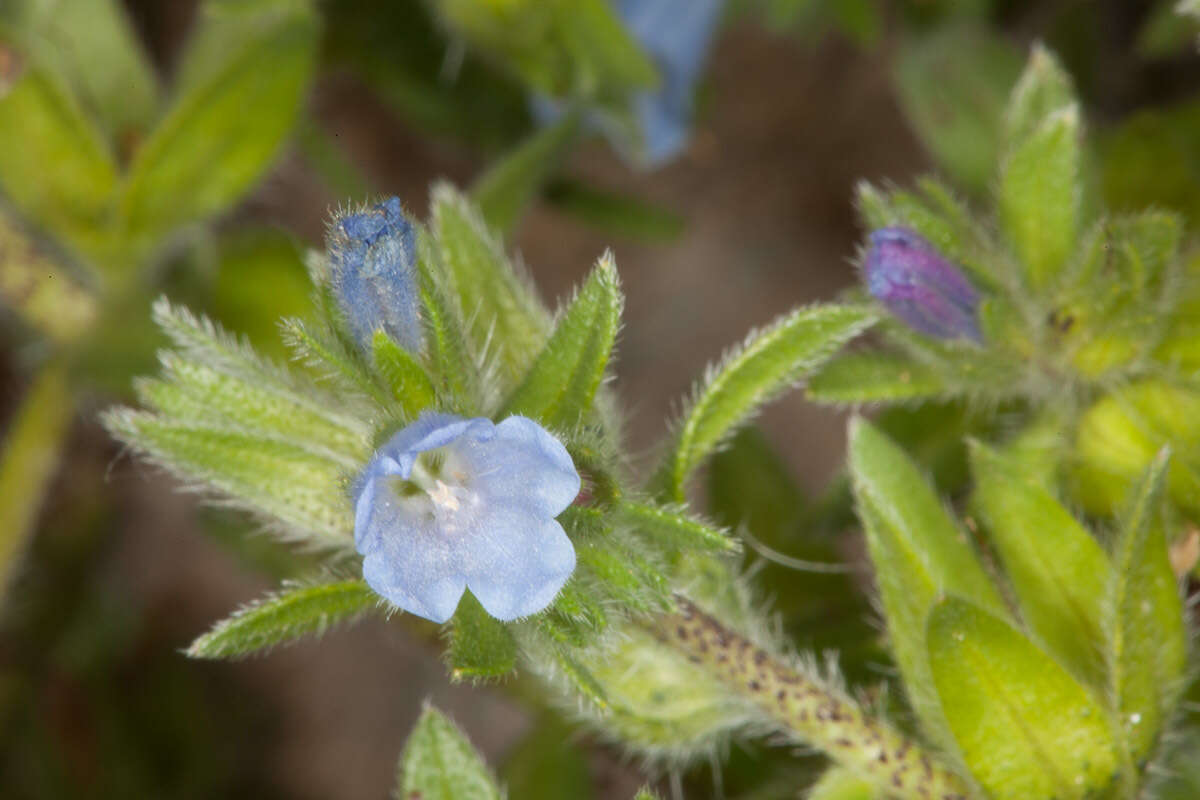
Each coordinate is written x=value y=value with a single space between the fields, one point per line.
x=453 y=449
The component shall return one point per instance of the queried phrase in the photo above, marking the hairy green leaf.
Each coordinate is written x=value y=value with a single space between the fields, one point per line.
x=283 y=481
x=439 y=763
x=1024 y=726
x=919 y=554
x=561 y=385
x=766 y=364
x=873 y=377
x=505 y=316
x=1043 y=89
x=1144 y=620
x=284 y=616
x=453 y=367
x=1058 y=570
x=673 y=528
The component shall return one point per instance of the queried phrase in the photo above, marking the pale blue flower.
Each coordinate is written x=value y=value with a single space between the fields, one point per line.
x=916 y=283
x=371 y=258
x=677 y=35
x=449 y=504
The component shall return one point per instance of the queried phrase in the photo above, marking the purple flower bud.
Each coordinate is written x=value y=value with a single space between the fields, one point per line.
x=918 y=285
x=372 y=255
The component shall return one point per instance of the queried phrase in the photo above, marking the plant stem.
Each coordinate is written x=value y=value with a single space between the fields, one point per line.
x=31 y=454
x=815 y=711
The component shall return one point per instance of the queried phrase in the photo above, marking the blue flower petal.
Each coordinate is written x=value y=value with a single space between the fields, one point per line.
x=416 y=575
x=526 y=465
x=519 y=564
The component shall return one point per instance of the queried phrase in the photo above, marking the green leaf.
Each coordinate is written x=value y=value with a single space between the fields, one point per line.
x=1152 y=159
x=559 y=388
x=507 y=319
x=439 y=763
x=873 y=377
x=1043 y=89
x=285 y=616
x=1039 y=196
x=674 y=528
x=504 y=192
x=954 y=85
x=410 y=386
x=326 y=352
x=230 y=114
x=54 y=164
x=1058 y=570
x=93 y=46
x=283 y=481
x=1147 y=635
x=1024 y=726
x=548 y=764
x=919 y=554
x=765 y=365
x=481 y=646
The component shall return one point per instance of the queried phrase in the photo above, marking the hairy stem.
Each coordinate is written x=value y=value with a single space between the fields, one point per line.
x=818 y=713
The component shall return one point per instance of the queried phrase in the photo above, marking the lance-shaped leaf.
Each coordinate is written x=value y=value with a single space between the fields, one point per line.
x=873 y=377
x=506 y=317
x=401 y=371
x=284 y=616
x=919 y=554
x=439 y=763
x=767 y=363
x=1058 y=570
x=54 y=164
x=1144 y=620
x=1044 y=88
x=286 y=483
x=1039 y=196
x=559 y=388
x=510 y=185
x=1023 y=725
x=230 y=114
x=481 y=646
x=671 y=528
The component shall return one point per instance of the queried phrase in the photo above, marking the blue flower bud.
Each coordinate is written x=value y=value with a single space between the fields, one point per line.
x=372 y=255
x=449 y=504
x=914 y=282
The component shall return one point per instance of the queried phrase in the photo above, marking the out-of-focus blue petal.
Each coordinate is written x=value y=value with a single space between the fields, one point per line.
x=372 y=255
x=480 y=514
x=520 y=562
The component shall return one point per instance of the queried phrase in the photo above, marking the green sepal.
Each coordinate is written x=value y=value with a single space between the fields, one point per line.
x=1039 y=196
x=1059 y=572
x=766 y=364
x=1024 y=727
x=873 y=377
x=673 y=528
x=453 y=365
x=506 y=316
x=285 y=616
x=403 y=374
x=207 y=150
x=481 y=646
x=919 y=554
x=512 y=183
x=1146 y=644
x=439 y=763
x=559 y=388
